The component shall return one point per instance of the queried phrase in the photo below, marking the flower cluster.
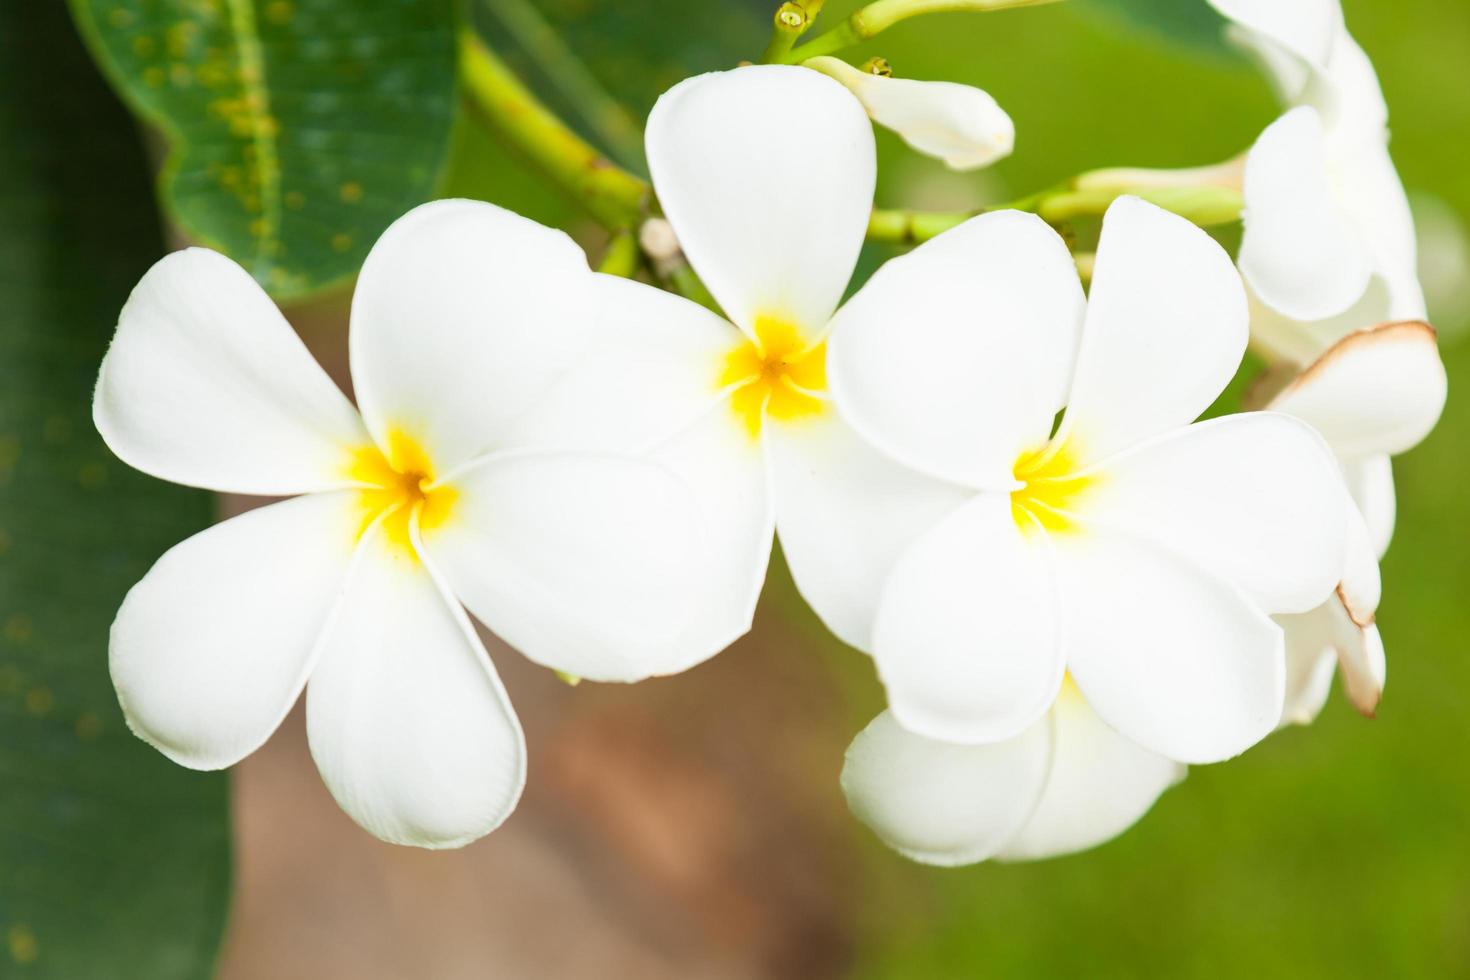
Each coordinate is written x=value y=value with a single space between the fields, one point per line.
x=990 y=480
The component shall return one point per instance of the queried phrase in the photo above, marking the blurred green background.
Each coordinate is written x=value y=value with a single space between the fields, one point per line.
x=1338 y=850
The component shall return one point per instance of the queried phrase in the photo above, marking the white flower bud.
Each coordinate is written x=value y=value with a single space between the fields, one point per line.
x=959 y=124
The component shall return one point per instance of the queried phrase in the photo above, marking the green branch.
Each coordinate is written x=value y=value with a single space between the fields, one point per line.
x=877 y=17
x=609 y=121
x=791 y=21
x=615 y=197
x=1060 y=205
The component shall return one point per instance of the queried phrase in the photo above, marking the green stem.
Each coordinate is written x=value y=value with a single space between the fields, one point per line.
x=615 y=197
x=1059 y=205
x=1205 y=206
x=788 y=24
x=877 y=17
x=622 y=255
x=609 y=121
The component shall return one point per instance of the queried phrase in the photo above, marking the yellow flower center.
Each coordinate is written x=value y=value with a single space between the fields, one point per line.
x=401 y=484
x=778 y=375
x=1050 y=490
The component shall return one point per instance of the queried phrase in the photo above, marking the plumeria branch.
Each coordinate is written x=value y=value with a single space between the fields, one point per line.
x=1205 y=206
x=875 y=18
x=604 y=115
x=623 y=202
x=791 y=21
x=622 y=256
x=612 y=195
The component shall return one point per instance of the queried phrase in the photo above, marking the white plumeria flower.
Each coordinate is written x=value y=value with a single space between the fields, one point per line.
x=1331 y=257
x=1140 y=553
x=1328 y=226
x=959 y=124
x=1373 y=394
x=766 y=175
x=585 y=561
x=1067 y=783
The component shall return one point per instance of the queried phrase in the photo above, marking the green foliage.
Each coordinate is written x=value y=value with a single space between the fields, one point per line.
x=635 y=51
x=114 y=863
x=297 y=130
x=1189 y=22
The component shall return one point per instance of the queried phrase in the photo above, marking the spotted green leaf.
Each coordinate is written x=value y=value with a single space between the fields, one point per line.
x=296 y=130
x=114 y=863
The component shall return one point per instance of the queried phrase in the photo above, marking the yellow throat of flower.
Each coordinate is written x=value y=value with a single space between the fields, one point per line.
x=778 y=375
x=1050 y=488
x=400 y=484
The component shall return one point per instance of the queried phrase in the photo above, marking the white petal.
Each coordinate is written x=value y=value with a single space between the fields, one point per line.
x=1311 y=659
x=1166 y=328
x=956 y=357
x=1301 y=252
x=1370 y=481
x=1298 y=343
x=845 y=514
x=1255 y=499
x=1373 y=197
x=646 y=366
x=966 y=638
x=941 y=803
x=1175 y=660
x=1099 y=785
x=464 y=313
x=1379 y=390
x=1361 y=588
x=766 y=174
x=1318 y=641
x=407 y=720
x=1364 y=667
x=210 y=650
x=1349 y=95
x=207 y=384
x=1305 y=28
x=959 y=124
x=729 y=475
x=586 y=563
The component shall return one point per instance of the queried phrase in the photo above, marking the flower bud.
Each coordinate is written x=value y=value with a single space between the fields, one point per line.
x=959 y=124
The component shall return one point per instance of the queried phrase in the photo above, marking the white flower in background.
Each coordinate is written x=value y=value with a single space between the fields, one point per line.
x=587 y=562
x=1065 y=784
x=1140 y=553
x=1331 y=257
x=1329 y=239
x=766 y=175
x=959 y=124
x=1325 y=213
x=1375 y=393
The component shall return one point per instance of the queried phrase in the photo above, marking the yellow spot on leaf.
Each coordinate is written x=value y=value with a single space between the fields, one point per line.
x=295 y=200
x=341 y=242
x=1051 y=488
x=279 y=12
x=778 y=375
x=351 y=192
x=400 y=485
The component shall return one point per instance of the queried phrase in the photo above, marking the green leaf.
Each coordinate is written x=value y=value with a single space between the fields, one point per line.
x=114 y=863
x=1188 y=22
x=297 y=130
